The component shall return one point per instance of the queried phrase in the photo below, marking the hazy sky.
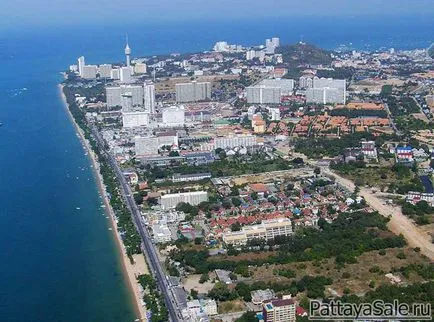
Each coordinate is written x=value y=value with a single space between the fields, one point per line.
x=28 y=13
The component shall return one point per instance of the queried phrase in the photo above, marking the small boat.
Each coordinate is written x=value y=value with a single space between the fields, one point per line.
x=110 y=229
x=1 y=123
x=78 y=208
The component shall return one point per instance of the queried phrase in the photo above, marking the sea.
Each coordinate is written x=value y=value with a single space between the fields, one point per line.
x=58 y=260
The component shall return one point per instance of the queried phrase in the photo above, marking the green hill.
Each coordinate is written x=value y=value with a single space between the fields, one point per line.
x=301 y=53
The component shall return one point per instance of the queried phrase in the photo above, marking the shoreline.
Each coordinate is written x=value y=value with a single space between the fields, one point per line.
x=127 y=268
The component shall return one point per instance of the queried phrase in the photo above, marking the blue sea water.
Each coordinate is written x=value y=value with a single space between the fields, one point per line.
x=60 y=263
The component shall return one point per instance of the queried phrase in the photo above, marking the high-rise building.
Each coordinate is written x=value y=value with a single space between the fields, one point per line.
x=125 y=74
x=115 y=73
x=127 y=102
x=275 y=41
x=127 y=54
x=325 y=95
x=193 y=92
x=174 y=116
x=327 y=91
x=149 y=97
x=329 y=82
x=114 y=94
x=279 y=310
x=89 y=71
x=221 y=46
x=263 y=94
x=305 y=81
x=81 y=64
x=250 y=54
x=286 y=85
x=105 y=70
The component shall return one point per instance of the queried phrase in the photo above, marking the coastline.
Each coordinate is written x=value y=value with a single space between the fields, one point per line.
x=129 y=270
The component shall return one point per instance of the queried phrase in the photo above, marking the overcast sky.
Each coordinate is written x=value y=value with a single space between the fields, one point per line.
x=28 y=13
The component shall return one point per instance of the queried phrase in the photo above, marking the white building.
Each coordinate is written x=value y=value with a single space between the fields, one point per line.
x=147 y=146
x=415 y=197
x=369 y=150
x=149 y=97
x=114 y=94
x=105 y=71
x=193 y=92
x=286 y=85
x=271 y=45
x=140 y=68
x=305 y=81
x=325 y=95
x=250 y=54
x=161 y=233
x=135 y=119
x=263 y=95
x=209 y=307
x=128 y=54
x=229 y=142
x=327 y=91
x=125 y=74
x=267 y=229
x=81 y=64
x=193 y=198
x=274 y=113
x=279 y=310
x=221 y=46
x=127 y=102
x=89 y=71
x=115 y=73
x=174 y=116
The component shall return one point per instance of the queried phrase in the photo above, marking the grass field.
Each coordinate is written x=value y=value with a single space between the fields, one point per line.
x=356 y=277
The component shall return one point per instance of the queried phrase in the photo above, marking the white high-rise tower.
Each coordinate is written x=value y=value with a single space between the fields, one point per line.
x=149 y=98
x=128 y=53
x=81 y=64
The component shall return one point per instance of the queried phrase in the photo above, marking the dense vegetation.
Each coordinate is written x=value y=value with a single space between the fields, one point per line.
x=320 y=147
x=222 y=168
x=153 y=299
x=313 y=286
x=358 y=113
x=304 y=54
x=349 y=236
x=420 y=212
x=337 y=73
x=416 y=293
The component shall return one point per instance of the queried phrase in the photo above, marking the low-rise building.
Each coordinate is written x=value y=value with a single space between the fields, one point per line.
x=193 y=198
x=161 y=233
x=267 y=229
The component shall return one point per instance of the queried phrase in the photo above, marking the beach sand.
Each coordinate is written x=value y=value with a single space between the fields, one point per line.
x=139 y=267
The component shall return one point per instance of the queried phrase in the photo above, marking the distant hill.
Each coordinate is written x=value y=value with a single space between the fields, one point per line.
x=301 y=53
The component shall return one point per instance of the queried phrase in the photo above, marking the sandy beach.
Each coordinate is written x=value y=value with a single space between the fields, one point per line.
x=139 y=267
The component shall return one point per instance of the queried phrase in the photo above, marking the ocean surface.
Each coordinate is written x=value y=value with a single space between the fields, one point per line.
x=58 y=261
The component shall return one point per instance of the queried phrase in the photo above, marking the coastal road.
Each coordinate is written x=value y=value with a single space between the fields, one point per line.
x=398 y=224
x=147 y=245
